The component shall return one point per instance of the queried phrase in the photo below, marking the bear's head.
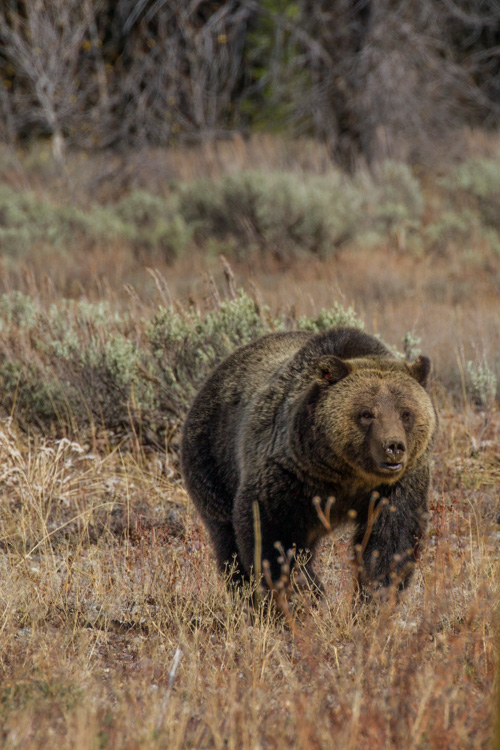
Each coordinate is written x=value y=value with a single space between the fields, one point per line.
x=369 y=418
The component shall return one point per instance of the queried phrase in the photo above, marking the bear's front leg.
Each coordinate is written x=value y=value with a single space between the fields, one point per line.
x=279 y=527
x=388 y=533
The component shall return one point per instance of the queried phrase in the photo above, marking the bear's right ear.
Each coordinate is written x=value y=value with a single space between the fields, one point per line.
x=332 y=369
x=420 y=370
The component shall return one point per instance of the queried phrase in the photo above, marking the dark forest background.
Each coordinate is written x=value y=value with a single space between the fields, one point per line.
x=371 y=78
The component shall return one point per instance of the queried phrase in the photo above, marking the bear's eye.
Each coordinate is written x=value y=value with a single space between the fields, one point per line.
x=366 y=416
x=405 y=416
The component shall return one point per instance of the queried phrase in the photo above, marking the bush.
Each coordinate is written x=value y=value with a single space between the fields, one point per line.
x=187 y=346
x=154 y=224
x=481 y=384
x=142 y=220
x=284 y=212
x=287 y=214
x=335 y=316
x=17 y=309
x=30 y=392
x=452 y=229
x=290 y=213
x=79 y=365
x=478 y=181
x=73 y=364
x=396 y=196
x=27 y=223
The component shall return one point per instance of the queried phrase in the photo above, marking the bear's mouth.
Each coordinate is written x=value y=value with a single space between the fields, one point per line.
x=391 y=468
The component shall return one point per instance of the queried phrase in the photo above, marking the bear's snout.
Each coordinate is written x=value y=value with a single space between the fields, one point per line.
x=390 y=455
x=388 y=446
x=394 y=449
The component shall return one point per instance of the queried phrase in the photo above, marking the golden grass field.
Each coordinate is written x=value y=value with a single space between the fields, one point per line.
x=117 y=632
x=108 y=584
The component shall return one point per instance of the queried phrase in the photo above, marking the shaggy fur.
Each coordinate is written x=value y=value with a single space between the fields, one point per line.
x=296 y=416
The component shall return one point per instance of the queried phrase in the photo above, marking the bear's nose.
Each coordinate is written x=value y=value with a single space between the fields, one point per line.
x=394 y=449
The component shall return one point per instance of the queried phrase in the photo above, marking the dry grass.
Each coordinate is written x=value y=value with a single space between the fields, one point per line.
x=115 y=630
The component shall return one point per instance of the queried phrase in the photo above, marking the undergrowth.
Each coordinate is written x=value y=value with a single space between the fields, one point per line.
x=283 y=213
x=116 y=630
x=76 y=365
x=75 y=368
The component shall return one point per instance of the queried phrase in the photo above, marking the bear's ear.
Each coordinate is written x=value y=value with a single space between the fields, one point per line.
x=420 y=370
x=331 y=369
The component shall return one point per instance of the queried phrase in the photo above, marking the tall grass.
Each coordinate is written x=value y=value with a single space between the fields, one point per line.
x=117 y=632
x=115 y=629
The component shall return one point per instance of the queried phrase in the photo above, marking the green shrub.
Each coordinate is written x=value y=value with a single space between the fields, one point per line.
x=21 y=221
x=142 y=220
x=286 y=213
x=27 y=223
x=103 y=224
x=30 y=392
x=289 y=213
x=201 y=204
x=396 y=196
x=110 y=387
x=79 y=365
x=15 y=241
x=187 y=346
x=154 y=224
x=17 y=309
x=479 y=181
x=74 y=366
x=282 y=212
x=331 y=318
x=452 y=228
x=481 y=383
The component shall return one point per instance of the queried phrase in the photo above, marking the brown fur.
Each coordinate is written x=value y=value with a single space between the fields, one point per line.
x=296 y=416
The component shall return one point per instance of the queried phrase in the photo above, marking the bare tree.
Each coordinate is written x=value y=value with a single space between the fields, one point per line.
x=373 y=78
x=43 y=41
x=180 y=66
x=393 y=78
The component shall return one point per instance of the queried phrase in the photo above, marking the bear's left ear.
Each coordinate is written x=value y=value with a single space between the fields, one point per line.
x=331 y=369
x=420 y=370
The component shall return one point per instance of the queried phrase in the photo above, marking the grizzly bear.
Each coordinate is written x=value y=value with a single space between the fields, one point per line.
x=310 y=425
